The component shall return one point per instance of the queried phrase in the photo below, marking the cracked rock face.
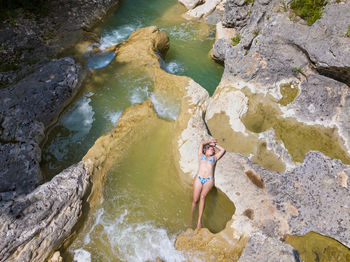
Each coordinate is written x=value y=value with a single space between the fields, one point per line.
x=35 y=224
x=31 y=40
x=26 y=110
x=285 y=89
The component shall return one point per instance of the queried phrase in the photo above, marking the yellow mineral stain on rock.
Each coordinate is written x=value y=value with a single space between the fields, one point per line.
x=249 y=213
x=289 y=92
x=132 y=125
x=316 y=247
x=267 y=158
x=240 y=143
x=255 y=179
x=212 y=247
x=298 y=138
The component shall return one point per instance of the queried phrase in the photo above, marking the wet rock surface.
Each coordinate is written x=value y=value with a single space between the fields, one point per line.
x=26 y=110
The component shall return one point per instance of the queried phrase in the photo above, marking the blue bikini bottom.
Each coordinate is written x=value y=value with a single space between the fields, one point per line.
x=204 y=179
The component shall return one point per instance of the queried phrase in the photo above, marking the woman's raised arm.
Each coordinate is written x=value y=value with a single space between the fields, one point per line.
x=221 y=152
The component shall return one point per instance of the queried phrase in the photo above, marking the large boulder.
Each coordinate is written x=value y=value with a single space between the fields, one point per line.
x=26 y=110
x=37 y=223
x=283 y=94
x=31 y=39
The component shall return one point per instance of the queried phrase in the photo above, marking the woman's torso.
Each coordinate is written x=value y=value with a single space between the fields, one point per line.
x=206 y=166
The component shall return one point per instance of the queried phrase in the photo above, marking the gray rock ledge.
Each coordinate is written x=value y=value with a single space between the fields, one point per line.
x=34 y=225
x=26 y=110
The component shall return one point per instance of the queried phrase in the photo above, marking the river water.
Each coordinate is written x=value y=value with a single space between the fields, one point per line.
x=145 y=205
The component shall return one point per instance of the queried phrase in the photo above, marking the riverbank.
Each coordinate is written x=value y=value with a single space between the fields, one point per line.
x=34 y=93
x=29 y=38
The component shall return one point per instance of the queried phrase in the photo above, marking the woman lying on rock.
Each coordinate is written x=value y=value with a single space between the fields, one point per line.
x=204 y=179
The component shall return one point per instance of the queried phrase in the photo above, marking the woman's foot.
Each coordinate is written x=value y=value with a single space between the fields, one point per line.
x=199 y=225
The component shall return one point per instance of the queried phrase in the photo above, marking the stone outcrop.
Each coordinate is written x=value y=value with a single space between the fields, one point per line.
x=26 y=110
x=35 y=224
x=283 y=94
x=198 y=9
x=266 y=249
x=29 y=39
x=207 y=246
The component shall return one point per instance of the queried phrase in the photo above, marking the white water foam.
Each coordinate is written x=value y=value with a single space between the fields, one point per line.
x=138 y=94
x=98 y=216
x=165 y=107
x=136 y=242
x=174 y=67
x=114 y=117
x=140 y=242
x=80 y=117
x=81 y=255
x=99 y=59
x=114 y=37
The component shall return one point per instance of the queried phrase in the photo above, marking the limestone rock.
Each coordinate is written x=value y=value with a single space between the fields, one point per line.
x=275 y=52
x=190 y=4
x=31 y=40
x=266 y=249
x=34 y=224
x=202 y=10
x=26 y=110
x=211 y=247
x=56 y=257
x=271 y=47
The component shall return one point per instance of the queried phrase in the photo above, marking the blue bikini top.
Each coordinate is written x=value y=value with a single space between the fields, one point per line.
x=211 y=159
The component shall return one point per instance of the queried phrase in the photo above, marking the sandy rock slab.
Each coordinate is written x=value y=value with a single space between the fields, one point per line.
x=35 y=224
x=26 y=110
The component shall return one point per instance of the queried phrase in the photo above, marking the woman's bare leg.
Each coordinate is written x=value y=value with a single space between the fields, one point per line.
x=197 y=188
x=205 y=190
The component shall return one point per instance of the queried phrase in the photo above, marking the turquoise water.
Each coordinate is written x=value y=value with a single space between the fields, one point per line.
x=106 y=94
x=145 y=204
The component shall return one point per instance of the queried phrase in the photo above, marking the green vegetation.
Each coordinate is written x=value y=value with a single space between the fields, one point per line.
x=256 y=32
x=5 y=67
x=249 y=1
x=309 y=10
x=268 y=16
x=297 y=69
x=48 y=36
x=348 y=32
x=236 y=40
x=285 y=7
